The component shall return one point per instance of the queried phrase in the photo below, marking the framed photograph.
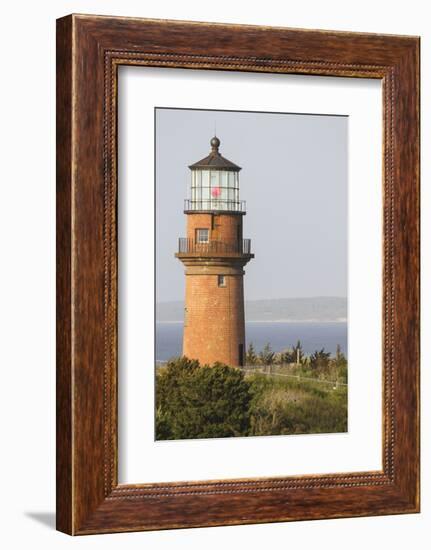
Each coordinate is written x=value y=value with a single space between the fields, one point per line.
x=237 y=274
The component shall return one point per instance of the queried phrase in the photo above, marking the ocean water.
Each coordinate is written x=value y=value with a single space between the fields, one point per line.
x=280 y=335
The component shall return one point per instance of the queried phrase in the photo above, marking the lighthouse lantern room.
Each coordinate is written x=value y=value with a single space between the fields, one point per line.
x=215 y=183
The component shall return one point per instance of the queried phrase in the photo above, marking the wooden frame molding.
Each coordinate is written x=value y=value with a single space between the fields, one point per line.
x=89 y=51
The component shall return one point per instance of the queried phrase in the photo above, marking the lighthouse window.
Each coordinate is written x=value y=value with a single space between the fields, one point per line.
x=214 y=179
x=231 y=179
x=221 y=280
x=202 y=235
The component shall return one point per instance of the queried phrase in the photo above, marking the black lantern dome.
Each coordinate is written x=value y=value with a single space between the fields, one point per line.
x=215 y=159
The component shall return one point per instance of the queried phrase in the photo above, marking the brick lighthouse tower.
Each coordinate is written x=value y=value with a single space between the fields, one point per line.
x=214 y=254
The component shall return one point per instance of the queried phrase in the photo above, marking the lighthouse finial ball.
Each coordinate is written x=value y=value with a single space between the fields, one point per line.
x=215 y=143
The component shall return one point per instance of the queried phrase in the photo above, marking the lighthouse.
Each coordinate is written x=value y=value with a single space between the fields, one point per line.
x=214 y=254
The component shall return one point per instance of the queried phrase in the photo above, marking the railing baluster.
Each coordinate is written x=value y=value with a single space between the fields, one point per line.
x=186 y=245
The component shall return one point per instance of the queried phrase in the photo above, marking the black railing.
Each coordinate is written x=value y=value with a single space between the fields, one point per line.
x=215 y=204
x=186 y=246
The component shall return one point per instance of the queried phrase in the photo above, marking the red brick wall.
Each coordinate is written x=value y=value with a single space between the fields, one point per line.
x=214 y=319
x=226 y=227
x=223 y=227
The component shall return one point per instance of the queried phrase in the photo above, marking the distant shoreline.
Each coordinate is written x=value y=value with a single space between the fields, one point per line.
x=286 y=310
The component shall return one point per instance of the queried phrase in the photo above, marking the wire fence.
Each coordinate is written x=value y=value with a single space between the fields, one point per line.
x=297 y=377
x=271 y=372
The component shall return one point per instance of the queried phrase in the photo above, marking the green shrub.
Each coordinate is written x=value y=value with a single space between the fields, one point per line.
x=195 y=402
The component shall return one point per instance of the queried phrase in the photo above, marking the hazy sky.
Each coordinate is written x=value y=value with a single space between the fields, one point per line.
x=294 y=179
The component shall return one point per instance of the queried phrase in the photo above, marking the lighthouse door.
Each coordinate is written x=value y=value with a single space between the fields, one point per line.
x=241 y=355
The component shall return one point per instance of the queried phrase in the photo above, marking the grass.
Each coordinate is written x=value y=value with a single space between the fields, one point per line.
x=282 y=406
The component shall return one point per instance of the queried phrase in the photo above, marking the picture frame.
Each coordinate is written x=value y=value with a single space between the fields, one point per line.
x=89 y=51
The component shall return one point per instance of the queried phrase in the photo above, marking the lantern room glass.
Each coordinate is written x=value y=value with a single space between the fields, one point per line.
x=215 y=190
